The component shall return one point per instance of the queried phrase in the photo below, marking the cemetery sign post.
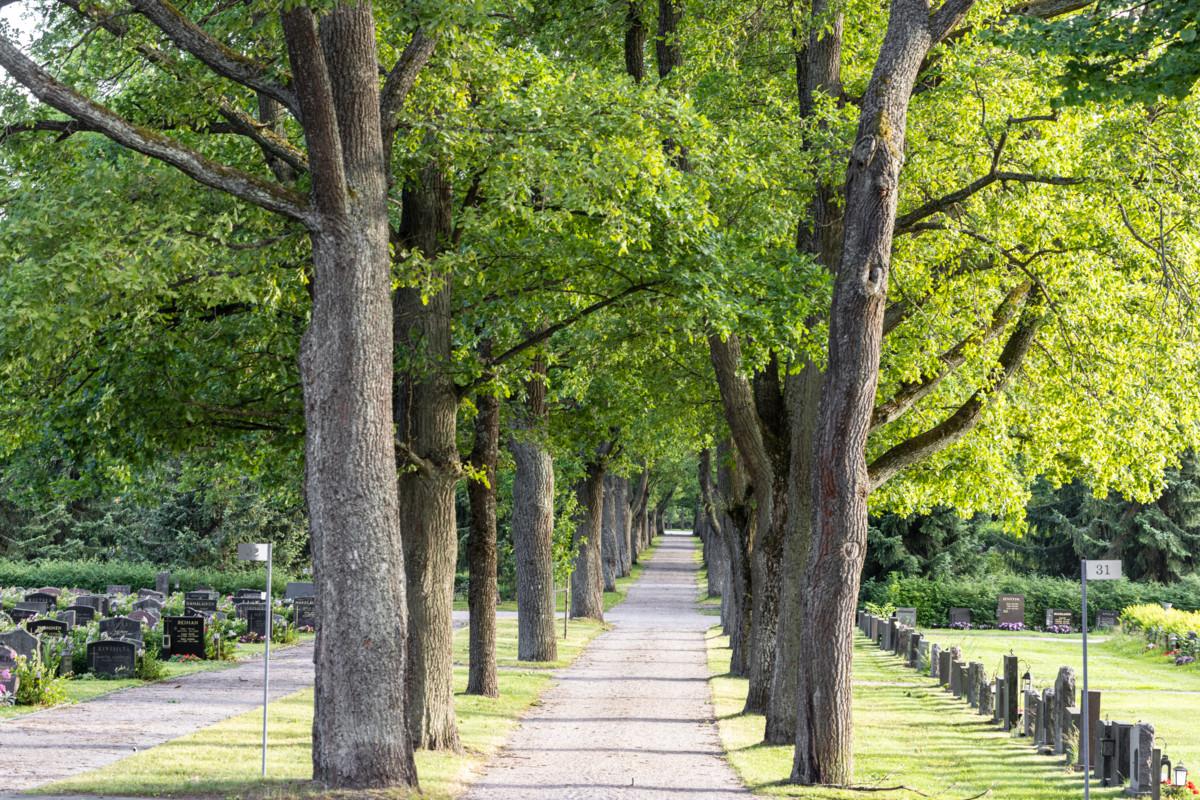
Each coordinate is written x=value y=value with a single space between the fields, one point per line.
x=262 y=552
x=1097 y=571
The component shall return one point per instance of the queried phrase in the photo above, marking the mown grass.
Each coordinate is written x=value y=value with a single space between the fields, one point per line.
x=224 y=759
x=906 y=733
x=86 y=688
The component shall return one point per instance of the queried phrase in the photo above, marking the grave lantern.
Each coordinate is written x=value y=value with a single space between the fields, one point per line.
x=1165 y=770
x=1180 y=774
x=1108 y=748
x=1027 y=681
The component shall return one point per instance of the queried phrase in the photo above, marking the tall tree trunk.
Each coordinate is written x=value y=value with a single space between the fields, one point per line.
x=637 y=505
x=610 y=552
x=840 y=481
x=624 y=525
x=803 y=393
x=360 y=728
x=533 y=525
x=714 y=545
x=425 y=415
x=481 y=546
x=736 y=529
x=587 y=581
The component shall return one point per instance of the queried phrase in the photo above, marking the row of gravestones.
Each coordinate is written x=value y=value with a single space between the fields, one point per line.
x=1119 y=753
x=1010 y=610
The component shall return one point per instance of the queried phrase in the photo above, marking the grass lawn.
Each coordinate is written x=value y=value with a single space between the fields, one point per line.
x=1134 y=685
x=87 y=688
x=224 y=759
x=906 y=733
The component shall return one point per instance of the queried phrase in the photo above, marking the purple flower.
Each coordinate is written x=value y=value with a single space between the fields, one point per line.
x=960 y=626
x=1012 y=626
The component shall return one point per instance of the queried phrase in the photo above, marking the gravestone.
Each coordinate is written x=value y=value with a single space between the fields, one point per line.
x=1009 y=715
x=960 y=616
x=1001 y=701
x=96 y=602
x=1046 y=723
x=8 y=675
x=67 y=616
x=157 y=595
x=117 y=589
x=83 y=614
x=1010 y=609
x=935 y=659
x=986 y=699
x=183 y=636
x=148 y=604
x=256 y=595
x=113 y=658
x=946 y=658
x=907 y=616
x=53 y=591
x=147 y=618
x=1124 y=733
x=1093 y=698
x=1071 y=745
x=1106 y=619
x=201 y=605
x=914 y=650
x=1064 y=698
x=256 y=618
x=1106 y=755
x=1056 y=617
x=24 y=611
x=1029 y=714
x=121 y=628
x=889 y=634
x=958 y=679
x=48 y=627
x=973 y=672
x=1142 y=778
x=162 y=583
x=296 y=589
x=45 y=599
x=24 y=643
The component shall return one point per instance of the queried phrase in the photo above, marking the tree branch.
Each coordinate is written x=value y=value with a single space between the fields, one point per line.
x=910 y=393
x=150 y=143
x=968 y=415
x=402 y=77
x=737 y=399
x=948 y=15
x=906 y=222
x=191 y=38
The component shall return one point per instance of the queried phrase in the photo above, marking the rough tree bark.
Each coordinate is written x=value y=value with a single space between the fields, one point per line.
x=610 y=552
x=637 y=504
x=481 y=546
x=587 y=579
x=624 y=524
x=736 y=523
x=425 y=415
x=840 y=483
x=714 y=545
x=533 y=525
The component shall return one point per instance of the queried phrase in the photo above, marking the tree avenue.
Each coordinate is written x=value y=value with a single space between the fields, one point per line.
x=565 y=269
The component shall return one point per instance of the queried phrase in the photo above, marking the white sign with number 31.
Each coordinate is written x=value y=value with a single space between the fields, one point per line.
x=1102 y=570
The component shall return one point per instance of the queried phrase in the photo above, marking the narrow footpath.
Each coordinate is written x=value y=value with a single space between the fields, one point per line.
x=50 y=745
x=631 y=719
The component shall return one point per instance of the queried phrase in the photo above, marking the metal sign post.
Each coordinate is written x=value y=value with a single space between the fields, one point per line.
x=262 y=552
x=1097 y=571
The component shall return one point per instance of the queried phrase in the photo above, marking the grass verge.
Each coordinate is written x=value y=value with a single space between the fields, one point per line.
x=224 y=759
x=906 y=734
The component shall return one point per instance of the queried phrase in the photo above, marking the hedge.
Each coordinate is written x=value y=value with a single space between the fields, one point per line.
x=933 y=598
x=97 y=576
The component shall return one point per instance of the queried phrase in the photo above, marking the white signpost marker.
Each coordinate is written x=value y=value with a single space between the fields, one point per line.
x=262 y=552
x=1096 y=571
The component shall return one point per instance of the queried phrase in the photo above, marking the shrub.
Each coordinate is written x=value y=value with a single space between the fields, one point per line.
x=38 y=681
x=1155 y=621
x=97 y=576
x=933 y=598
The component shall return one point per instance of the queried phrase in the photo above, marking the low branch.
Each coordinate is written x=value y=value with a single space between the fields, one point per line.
x=907 y=222
x=149 y=143
x=909 y=393
x=226 y=62
x=741 y=414
x=968 y=415
x=270 y=142
x=402 y=78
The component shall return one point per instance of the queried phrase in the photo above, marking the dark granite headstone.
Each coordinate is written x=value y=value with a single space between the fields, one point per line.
x=1010 y=608
x=944 y=662
x=162 y=583
x=1106 y=619
x=8 y=674
x=117 y=589
x=20 y=640
x=296 y=589
x=914 y=650
x=183 y=636
x=1008 y=715
x=96 y=602
x=1001 y=700
x=146 y=617
x=1029 y=713
x=935 y=659
x=161 y=597
x=1141 y=748
x=83 y=614
x=907 y=616
x=24 y=611
x=148 y=604
x=1064 y=698
x=1044 y=734
x=47 y=627
x=960 y=616
x=256 y=618
x=304 y=612
x=1060 y=618
x=986 y=698
x=45 y=599
x=121 y=627
x=958 y=679
x=112 y=658
x=1093 y=698
x=67 y=616
x=53 y=591
x=974 y=670
x=201 y=605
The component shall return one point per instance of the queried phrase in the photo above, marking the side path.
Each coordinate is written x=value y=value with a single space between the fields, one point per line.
x=631 y=719
x=66 y=740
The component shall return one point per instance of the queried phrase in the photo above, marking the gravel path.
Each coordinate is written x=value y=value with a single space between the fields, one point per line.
x=631 y=718
x=59 y=742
